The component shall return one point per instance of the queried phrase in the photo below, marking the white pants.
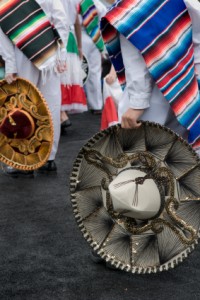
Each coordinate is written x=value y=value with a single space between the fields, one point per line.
x=93 y=84
x=50 y=90
x=159 y=110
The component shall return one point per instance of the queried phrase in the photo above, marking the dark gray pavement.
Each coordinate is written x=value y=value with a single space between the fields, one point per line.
x=43 y=255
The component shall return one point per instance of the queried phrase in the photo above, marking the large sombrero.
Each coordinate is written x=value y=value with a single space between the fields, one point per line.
x=136 y=197
x=26 y=130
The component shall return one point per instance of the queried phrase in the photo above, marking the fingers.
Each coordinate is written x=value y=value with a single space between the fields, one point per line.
x=61 y=67
x=80 y=53
x=110 y=79
x=130 y=119
x=129 y=123
x=126 y=125
x=10 y=78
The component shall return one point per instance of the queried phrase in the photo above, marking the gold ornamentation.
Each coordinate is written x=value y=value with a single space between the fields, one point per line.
x=3 y=113
x=22 y=95
x=31 y=108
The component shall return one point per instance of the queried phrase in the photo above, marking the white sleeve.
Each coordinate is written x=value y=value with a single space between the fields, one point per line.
x=139 y=82
x=194 y=11
x=8 y=54
x=101 y=8
x=58 y=17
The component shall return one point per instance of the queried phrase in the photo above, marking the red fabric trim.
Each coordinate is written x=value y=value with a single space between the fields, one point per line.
x=109 y=113
x=196 y=145
x=78 y=8
x=73 y=94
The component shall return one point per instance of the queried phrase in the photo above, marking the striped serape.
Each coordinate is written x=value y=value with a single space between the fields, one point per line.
x=28 y=27
x=90 y=17
x=162 y=31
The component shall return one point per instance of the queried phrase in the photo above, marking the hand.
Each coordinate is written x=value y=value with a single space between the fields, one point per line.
x=80 y=53
x=61 y=67
x=111 y=76
x=130 y=118
x=10 y=77
x=103 y=56
x=110 y=79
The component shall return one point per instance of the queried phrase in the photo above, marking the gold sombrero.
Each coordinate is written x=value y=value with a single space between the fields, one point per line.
x=26 y=129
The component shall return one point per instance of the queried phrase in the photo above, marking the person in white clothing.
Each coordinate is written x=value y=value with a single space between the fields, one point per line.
x=73 y=95
x=48 y=81
x=142 y=99
x=94 y=57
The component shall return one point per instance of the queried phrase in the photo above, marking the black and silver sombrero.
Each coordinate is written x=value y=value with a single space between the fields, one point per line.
x=116 y=224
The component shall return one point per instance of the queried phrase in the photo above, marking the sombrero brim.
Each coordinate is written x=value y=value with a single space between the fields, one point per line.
x=149 y=251
x=85 y=69
x=32 y=152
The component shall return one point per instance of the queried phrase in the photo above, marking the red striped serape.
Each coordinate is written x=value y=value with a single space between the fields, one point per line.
x=162 y=31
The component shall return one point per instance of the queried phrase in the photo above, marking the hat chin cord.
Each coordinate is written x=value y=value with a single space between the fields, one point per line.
x=138 y=180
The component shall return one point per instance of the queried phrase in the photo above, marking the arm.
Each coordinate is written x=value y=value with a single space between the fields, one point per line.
x=139 y=84
x=8 y=55
x=77 y=27
x=58 y=17
x=101 y=8
x=111 y=76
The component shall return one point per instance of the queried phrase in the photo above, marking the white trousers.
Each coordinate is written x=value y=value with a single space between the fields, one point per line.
x=93 y=84
x=50 y=90
x=159 y=110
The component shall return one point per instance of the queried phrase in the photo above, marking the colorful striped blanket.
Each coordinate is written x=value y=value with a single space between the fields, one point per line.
x=90 y=17
x=28 y=27
x=162 y=31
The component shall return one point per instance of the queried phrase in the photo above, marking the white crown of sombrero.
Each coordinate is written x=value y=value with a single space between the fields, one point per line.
x=135 y=200
x=136 y=197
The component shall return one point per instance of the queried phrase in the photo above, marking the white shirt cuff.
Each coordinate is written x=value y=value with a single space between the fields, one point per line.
x=140 y=101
